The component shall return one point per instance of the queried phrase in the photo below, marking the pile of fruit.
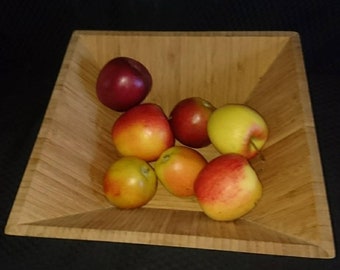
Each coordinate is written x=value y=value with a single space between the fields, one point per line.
x=226 y=188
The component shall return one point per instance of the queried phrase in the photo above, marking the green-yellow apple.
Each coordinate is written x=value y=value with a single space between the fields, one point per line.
x=177 y=169
x=237 y=128
x=227 y=187
x=130 y=183
x=143 y=131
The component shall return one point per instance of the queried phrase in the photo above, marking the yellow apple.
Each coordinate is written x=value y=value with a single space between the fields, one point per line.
x=237 y=128
x=227 y=187
x=177 y=169
x=130 y=182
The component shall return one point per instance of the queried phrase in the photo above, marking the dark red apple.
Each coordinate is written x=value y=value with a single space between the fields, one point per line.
x=188 y=121
x=123 y=83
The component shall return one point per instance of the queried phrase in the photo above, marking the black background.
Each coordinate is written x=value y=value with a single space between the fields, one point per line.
x=33 y=39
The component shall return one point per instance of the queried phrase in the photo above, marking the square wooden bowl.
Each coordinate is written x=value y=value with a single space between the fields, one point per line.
x=61 y=192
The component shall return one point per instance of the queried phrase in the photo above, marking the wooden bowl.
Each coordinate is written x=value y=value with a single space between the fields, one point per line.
x=61 y=192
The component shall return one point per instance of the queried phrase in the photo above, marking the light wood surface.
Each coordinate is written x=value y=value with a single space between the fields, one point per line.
x=61 y=192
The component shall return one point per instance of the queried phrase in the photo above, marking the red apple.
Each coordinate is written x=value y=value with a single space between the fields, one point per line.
x=129 y=183
x=177 y=169
x=227 y=187
x=188 y=121
x=123 y=83
x=143 y=131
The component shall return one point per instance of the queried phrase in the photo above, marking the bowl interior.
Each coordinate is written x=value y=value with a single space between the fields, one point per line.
x=61 y=192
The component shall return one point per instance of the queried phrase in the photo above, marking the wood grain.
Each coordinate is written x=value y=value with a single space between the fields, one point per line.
x=61 y=191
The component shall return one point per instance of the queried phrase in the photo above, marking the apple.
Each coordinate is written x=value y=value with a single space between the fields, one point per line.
x=130 y=183
x=188 y=121
x=237 y=128
x=122 y=83
x=143 y=131
x=177 y=169
x=227 y=187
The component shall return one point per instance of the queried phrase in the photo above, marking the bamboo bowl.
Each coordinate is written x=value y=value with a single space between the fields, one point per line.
x=61 y=195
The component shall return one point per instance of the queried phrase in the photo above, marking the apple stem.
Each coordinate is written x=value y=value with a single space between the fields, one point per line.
x=165 y=158
x=258 y=150
x=145 y=170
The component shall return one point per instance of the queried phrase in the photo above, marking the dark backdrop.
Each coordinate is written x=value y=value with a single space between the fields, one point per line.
x=33 y=39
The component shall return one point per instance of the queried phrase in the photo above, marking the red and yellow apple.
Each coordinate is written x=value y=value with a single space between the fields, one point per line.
x=122 y=83
x=177 y=169
x=188 y=120
x=130 y=183
x=237 y=128
x=227 y=187
x=143 y=132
